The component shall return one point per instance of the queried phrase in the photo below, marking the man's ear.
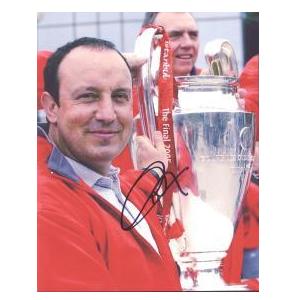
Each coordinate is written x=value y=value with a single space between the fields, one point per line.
x=50 y=107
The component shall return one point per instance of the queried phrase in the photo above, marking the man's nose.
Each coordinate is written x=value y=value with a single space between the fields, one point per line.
x=105 y=109
x=186 y=40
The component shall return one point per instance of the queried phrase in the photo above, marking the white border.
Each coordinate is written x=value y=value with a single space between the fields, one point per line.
x=279 y=100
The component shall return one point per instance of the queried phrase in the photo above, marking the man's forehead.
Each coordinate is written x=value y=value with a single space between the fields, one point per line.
x=88 y=64
x=78 y=53
x=176 y=21
x=85 y=57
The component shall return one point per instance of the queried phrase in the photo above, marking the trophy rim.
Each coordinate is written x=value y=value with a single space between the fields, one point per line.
x=206 y=80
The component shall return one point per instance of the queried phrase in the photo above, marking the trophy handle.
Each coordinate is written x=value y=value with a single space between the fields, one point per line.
x=221 y=58
x=146 y=46
x=155 y=88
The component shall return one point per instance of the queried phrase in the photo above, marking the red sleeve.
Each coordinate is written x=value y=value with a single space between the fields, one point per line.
x=68 y=258
x=251 y=217
x=233 y=262
x=245 y=237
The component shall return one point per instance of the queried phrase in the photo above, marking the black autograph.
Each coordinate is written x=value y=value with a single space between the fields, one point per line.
x=155 y=196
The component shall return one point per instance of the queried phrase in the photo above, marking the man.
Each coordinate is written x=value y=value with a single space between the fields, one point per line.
x=184 y=39
x=81 y=199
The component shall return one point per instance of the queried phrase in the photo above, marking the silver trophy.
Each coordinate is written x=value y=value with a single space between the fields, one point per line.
x=218 y=141
x=219 y=145
x=215 y=139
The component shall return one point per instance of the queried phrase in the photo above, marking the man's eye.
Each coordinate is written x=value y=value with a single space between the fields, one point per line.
x=175 y=34
x=193 y=34
x=120 y=97
x=89 y=97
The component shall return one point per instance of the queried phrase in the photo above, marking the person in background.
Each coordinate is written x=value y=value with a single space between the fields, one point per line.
x=81 y=197
x=184 y=39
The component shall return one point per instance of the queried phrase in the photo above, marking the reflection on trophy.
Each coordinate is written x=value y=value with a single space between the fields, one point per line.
x=144 y=122
x=215 y=139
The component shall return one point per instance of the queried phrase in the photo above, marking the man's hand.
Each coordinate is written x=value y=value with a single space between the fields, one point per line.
x=148 y=153
x=241 y=93
x=135 y=62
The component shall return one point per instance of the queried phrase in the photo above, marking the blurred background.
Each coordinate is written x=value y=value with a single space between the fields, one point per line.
x=121 y=28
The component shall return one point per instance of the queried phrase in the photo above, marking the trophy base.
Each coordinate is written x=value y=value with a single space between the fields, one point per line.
x=207 y=281
x=204 y=275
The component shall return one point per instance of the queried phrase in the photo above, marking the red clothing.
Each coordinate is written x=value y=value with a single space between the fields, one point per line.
x=246 y=236
x=81 y=245
x=249 y=80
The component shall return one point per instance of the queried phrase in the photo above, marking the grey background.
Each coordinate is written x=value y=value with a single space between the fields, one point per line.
x=57 y=28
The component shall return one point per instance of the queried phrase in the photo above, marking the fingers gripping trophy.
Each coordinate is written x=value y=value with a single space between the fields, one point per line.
x=214 y=138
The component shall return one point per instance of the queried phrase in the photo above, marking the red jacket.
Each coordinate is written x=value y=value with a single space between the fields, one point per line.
x=246 y=237
x=81 y=245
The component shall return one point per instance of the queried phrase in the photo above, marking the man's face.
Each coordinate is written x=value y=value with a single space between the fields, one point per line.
x=94 y=119
x=184 y=40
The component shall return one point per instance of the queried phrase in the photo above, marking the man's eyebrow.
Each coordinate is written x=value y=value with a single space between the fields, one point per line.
x=127 y=90
x=85 y=88
x=91 y=88
x=193 y=31
x=172 y=32
x=175 y=31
